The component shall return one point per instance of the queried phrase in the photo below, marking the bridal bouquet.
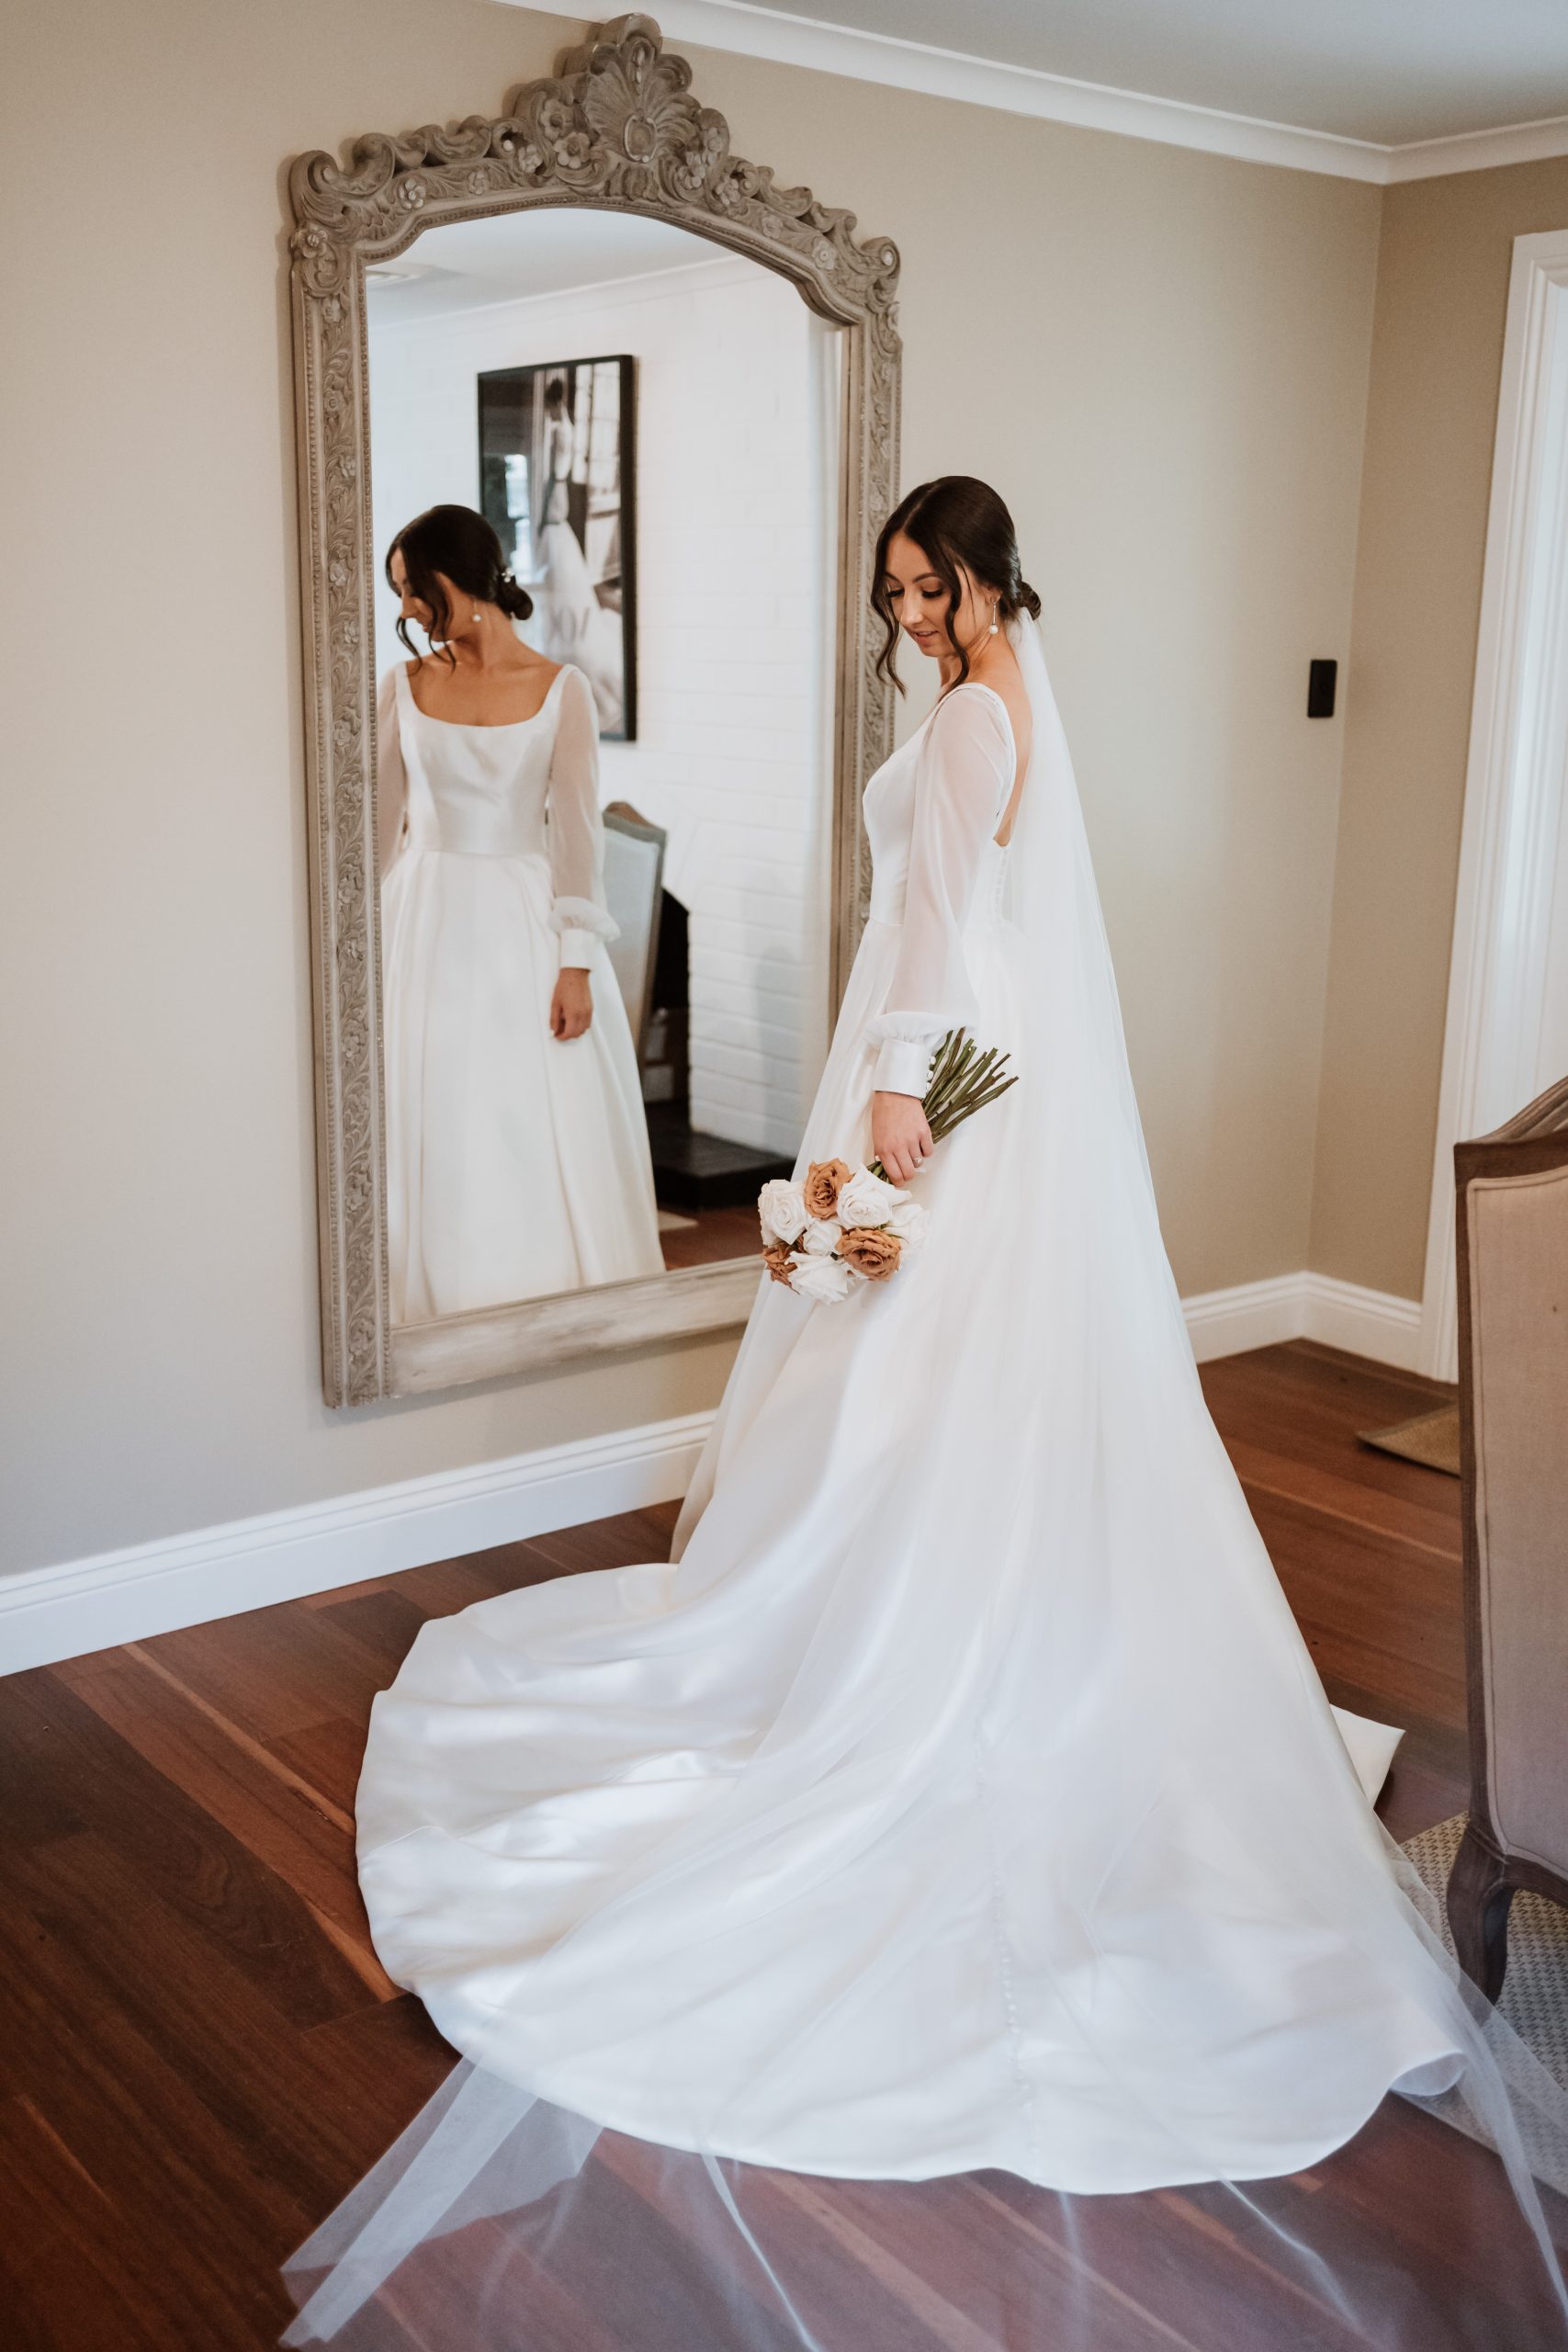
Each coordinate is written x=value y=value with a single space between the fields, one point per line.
x=846 y=1225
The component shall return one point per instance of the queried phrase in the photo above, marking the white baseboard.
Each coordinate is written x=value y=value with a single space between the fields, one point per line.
x=1305 y=1306
x=148 y=1588
x=1364 y=1322
x=1251 y=1314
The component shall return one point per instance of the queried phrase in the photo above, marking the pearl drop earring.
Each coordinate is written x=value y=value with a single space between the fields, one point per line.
x=994 y=610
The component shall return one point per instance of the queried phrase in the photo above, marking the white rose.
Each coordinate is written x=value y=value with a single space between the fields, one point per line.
x=826 y=1280
x=910 y=1223
x=821 y=1235
x=868 y=1200
x=781 y=1208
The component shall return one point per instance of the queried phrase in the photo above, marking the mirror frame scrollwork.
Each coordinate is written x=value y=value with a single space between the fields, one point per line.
x=617 y=128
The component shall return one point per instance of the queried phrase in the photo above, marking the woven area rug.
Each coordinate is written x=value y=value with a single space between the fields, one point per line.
x=1535 y=1990
x=1431 y=1438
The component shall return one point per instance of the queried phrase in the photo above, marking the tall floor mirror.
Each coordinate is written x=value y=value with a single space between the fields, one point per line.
x=671 y=390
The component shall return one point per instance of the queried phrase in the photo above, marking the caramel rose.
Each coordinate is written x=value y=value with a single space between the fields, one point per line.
x=872 y=1251
x=776 y=1259
x=825 y=1181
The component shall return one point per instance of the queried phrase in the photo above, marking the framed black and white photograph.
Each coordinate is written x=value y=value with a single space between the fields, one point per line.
x=557 y=482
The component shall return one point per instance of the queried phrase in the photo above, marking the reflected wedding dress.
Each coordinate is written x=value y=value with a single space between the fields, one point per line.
x=517 y=1163
x=962 y=1794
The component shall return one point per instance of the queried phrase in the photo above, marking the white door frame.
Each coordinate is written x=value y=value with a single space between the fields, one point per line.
x=1518 y=757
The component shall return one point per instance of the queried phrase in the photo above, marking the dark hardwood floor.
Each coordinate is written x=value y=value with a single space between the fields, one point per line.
x=200 y=2054
x=710 y=1235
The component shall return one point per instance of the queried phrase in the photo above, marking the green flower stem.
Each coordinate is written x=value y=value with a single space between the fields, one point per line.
x=962 y=1081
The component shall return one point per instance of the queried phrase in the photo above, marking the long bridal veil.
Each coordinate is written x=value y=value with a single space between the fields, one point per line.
x=1052 y=1711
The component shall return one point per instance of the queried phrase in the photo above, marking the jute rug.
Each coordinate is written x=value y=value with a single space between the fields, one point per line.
x=1535 y=1990
x=1431 y=1438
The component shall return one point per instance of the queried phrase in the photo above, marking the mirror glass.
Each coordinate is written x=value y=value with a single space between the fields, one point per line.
x=627 y=825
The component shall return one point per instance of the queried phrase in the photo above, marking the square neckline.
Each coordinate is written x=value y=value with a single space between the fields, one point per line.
x=489 y=726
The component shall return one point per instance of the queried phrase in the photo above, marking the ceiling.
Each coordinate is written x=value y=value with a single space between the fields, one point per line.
x=1390 y=74
x=470 y=265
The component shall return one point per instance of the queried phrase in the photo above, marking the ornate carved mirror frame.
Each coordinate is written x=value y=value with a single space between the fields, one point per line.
x=617 y=127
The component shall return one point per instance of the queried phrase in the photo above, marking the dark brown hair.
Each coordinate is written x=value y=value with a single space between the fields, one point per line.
x=953 y=520
x=454 y=541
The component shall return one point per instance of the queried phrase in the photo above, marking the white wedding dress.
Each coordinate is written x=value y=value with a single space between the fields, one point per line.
x=962 y=1795
x=517 y=1163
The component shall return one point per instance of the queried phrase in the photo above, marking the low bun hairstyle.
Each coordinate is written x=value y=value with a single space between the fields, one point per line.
x=954 y=520
x=460 y=545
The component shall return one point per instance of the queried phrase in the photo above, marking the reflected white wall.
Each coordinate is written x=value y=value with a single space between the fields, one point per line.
x=738 y=407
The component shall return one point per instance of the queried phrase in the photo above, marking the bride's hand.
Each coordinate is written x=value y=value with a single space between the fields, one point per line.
x=899 y=1136
x=571 y=1007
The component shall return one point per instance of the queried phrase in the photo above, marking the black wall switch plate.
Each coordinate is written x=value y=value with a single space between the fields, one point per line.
x=1320 y=679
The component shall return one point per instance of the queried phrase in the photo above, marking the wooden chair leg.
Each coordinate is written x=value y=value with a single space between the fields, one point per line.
x=1479 y=1897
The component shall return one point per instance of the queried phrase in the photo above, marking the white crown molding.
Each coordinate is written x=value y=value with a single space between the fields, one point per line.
x=782 y=38
x=1479 y=151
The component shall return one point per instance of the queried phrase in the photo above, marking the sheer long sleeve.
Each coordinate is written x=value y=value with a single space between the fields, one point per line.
x=961 y=786
x=391 y=780
x=576 y=827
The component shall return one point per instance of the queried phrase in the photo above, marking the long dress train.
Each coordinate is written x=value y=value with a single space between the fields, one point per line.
x=962 y=1796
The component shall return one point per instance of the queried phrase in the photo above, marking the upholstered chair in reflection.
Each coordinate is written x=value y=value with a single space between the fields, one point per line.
x=1513 y=1325
x=634 y=876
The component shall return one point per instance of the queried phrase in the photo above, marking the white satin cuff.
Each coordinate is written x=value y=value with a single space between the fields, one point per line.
x=580 y=924
x=903 y=1068
x=906 y=1042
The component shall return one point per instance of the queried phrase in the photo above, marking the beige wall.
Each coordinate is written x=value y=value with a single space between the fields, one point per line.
x=1437 y=355
x=1161 y=356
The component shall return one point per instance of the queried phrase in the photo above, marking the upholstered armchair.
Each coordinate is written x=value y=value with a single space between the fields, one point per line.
x=1513 y=1356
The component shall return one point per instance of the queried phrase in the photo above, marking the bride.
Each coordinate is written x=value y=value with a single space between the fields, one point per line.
x=517 y=1154
x=961 y=1798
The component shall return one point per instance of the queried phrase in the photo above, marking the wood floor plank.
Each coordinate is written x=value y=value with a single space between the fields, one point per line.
x=178 y=1850
x=270 y=1670
x=36 y=1805
x=1373 y=1609
x=186 y=2190
x=186 y=2005
x=382 y=1625
x=1309 y=1404
x=449 y=1584
x=71 y=2271
x=1339 y=1495
x=328 y=1756
x=217 y=1764
x=277 y=1811
x=622 y=1541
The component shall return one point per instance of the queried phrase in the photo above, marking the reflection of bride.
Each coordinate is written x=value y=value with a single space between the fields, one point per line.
x=962 y=1802
x=576 y=627
x=517 y=1158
